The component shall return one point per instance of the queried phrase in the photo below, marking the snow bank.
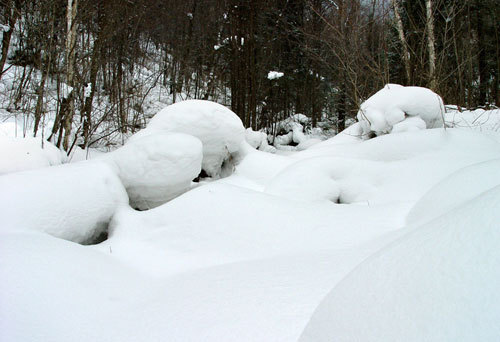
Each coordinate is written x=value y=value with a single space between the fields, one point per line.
x=158 y=167
x=374 y=171
x=72 y=201
x=455 y=190
x=437 y=283
x=219 y=129
x=395 y=108
x=18 y=154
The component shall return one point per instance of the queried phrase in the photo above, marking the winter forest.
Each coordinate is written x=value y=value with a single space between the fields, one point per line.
x=239 y=170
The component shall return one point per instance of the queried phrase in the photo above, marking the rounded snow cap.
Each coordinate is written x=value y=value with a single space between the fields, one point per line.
x=395 y=108
x=219 y=129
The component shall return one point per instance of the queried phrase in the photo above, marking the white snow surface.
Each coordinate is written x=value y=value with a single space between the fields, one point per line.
x=71 y=201
x=158 y=167
x=219 y=129
x=18 y=154
x=439 y=282
x=267 y=254
x=478 y=119
x=274 y=75
x=395 y=108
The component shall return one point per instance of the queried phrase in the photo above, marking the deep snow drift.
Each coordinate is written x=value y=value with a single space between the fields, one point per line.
x=73 y=201
x=392 y=238
x=18 y=154
x=439 y=282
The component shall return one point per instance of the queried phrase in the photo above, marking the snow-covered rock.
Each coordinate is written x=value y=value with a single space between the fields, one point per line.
x=18 y=154
x=395 y=108
x=157 y=167
x=219 y=129
x=72 y=201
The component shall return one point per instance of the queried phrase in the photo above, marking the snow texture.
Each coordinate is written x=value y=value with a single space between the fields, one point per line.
x=18 y=154
x=158 y=167
x=439 y=282
x=409 y=252
x=398 y=109
x=73 y=201
x=219 y=129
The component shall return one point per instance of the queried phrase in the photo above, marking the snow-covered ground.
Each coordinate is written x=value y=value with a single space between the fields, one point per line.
x=394 y=238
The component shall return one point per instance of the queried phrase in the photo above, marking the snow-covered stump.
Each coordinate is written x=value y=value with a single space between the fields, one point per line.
x=395 y=108
x=74 y=202
x=218 y=128
x=158 y=167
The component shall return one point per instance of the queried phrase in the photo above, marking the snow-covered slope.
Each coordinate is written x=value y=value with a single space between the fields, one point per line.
x=410 y=249
x=439 y=282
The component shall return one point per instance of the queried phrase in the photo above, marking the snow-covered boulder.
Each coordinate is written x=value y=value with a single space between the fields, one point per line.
x=395 y=108
x=219 y=129
x=72 y=201
x=157 y=167
x=18 y=154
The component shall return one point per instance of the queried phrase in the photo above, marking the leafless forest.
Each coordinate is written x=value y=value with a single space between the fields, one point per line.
x=333 y=55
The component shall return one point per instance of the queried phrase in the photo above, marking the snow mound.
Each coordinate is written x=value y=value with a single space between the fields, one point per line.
x=258 y=140
x=395 y=108
x=306 y=180
x=73 y=201
x=437 y=283
x=18 y=154
x=219 y=129
x=453 y=191
x=158 y=167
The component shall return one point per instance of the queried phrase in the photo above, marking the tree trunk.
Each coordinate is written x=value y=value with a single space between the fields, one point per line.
x=431 y=45
x=71 y=12
x=402 y=38
x=13 y=15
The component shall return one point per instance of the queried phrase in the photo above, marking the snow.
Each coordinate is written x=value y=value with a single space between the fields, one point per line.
x=478 y=119
x=18 y=154
x=395 y=108
x=439 y=282
x=274 y=75
x=158 y=167
x=293 y=135
x=390 y=238
x=219 y=129
x=455 y=190
x=256 y=139
x=74 y=202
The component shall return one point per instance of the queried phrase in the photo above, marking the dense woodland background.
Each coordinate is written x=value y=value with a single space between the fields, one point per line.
x=333 y=54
